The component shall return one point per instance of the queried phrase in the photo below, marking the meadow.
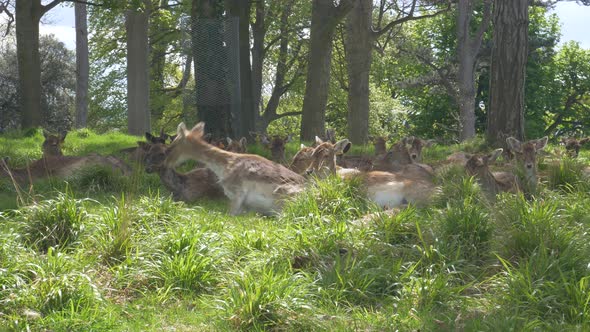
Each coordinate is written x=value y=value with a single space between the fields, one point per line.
x=103 y=252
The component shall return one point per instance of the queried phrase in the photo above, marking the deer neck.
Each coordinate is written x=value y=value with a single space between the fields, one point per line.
x=171 y=178
x=216 y=159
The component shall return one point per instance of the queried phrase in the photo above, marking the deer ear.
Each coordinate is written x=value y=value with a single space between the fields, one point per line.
x=199 y=128
x=143 y=145
x=371 y=138
x=541 y=143
x=302 y=146
x=342 y=146
x=243 y=141
x=494 y=155
x=149 y=137
x=229 y=140
x=181 y=131
x=62 y=136
x=318 y=140
x=264 y=140
x=288 y=139
x=429 y=142
x=514 y=144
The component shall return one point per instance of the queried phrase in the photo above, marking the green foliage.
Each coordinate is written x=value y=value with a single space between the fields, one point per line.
x=53 y=223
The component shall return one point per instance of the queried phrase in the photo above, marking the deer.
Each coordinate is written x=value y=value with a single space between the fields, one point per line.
x=276 y=145
x=492 y=183
x=403 y=156
x=380 y=144
x=187 y=187
x=526 y=158
x=573 y=145
x=251 y=182
x=301 y=160
x=137 y=153
x=237 y=146
x=386 y=189
x=54 y=163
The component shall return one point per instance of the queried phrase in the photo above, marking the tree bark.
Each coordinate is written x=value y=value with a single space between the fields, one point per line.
x=209 y=59
x=247 y=123
x=468 y=46
x=325 y=16
x=28 y=13
x=158 y=45
x=359 y=49
x=138 y=84
x=82 y=65
x=507 y=72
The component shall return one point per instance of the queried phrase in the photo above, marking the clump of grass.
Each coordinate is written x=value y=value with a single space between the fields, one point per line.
x=186 y=261
x=456 y=187
x=466 y=230
x=567 y=175
x=117 y=233
x=334 y=197
x=266 y=299
x=53 y=223
x=100 y=178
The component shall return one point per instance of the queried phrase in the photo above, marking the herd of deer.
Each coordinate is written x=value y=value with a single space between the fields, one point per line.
x=391 y=178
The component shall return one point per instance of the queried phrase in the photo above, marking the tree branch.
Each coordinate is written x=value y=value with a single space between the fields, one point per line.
x=410 y=17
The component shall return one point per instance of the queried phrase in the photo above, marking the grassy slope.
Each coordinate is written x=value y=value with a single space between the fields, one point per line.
x=105 y=252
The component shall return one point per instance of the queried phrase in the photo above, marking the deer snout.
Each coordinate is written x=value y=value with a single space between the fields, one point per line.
x=309 y=171
x=529 y=166
x=414 y=156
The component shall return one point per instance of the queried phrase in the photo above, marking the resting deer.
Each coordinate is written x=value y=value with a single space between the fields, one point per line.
x=526 y=157
x=573 y=145
x=54 y=163
x=380 y=144
x=301 y=160
x=251 y=182
x=492 y=182
x=237 y=146
x=276 y=144
x=399 y=158
x=187 y=187
x=386 y=189
x=137 y=153
x=415 y=146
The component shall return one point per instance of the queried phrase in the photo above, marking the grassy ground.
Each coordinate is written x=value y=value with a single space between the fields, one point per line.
x=105 y=252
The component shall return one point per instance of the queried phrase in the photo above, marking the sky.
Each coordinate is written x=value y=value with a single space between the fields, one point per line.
x=574 y=20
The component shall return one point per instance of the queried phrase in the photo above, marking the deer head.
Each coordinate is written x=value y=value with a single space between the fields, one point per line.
x=302 y=159
x=380 y=144
x=52 y=144
x=478 y=166
x=155 y=156
x=276 y=144
x=157 y=139
x=180 y=149
x=526 y=155
x=237 y=146
x=415 y=146
x=323 y=157
x=573 y=145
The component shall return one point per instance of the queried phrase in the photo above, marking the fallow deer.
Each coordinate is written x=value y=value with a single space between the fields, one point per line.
x=491 y=182
x=301 y=160
x=237 y=146
x=187 y=187
x=251 y=182
x=380 y=144
x=276 y=145
x=404 y=156
x=573 y=145
x=526 y=157
x=386 y=189
x=415 y=146
x=137 y=153
x=54 y=163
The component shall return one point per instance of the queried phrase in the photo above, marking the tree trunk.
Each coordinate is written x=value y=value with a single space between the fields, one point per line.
x=82 y=65
x=507 y=72
x=359 y=47
x=28 y=14
x=241 y=9
x=138 y=84
x=466 y=71
x=210 y=62
x=159 y=41
x=324 y=19
x=258 y=33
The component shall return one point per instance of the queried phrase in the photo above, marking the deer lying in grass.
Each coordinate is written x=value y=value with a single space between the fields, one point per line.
x=301 y=160
x=187 y=187
x=380 y=144
x=491 y=182
x=386 y=189
x=54 y=163
x=573 y=145
x=137 y=153
x=276 y=144
x=526 y=157
x=251 y=182
x=237 y=146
